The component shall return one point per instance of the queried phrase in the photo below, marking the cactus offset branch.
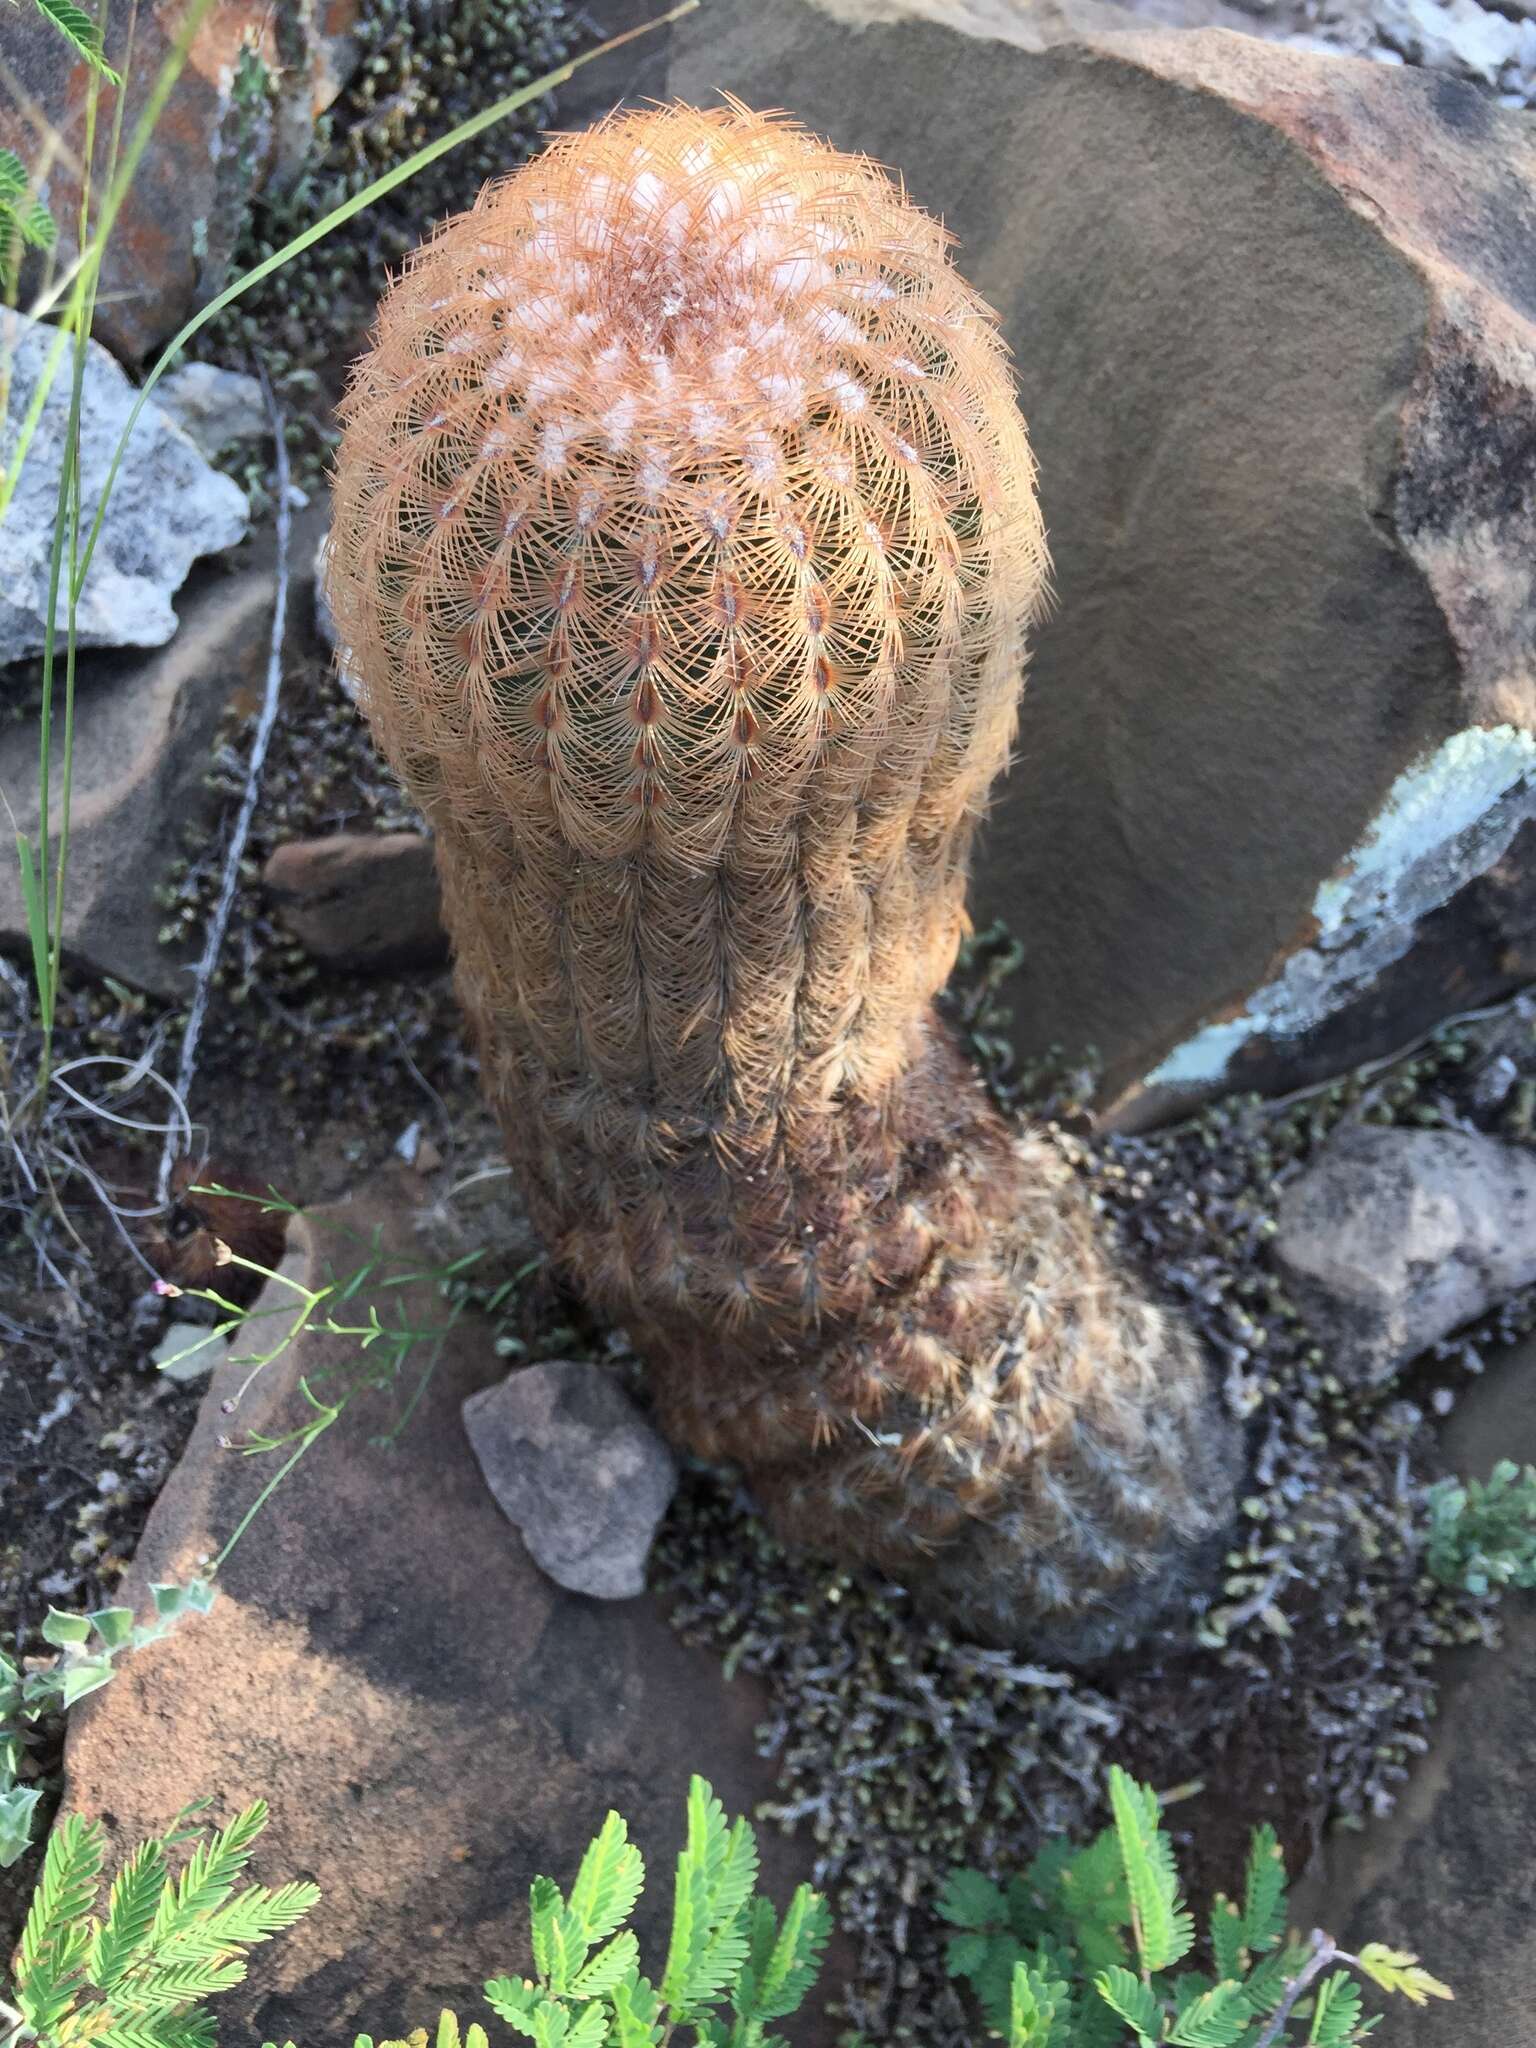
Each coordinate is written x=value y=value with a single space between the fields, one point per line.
x=686 y=542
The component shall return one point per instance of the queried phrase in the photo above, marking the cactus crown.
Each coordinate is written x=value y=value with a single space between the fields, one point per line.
x=686 y=536
x=686 y=459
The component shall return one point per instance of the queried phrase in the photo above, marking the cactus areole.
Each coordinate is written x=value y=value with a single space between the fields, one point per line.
x=685 y=545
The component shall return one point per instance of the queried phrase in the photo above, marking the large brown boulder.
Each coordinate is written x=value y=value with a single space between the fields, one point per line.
x=1273 y=321
x=433 y=1721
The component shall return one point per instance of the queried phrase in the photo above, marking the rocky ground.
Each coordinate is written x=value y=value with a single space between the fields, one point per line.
x=332 y=1060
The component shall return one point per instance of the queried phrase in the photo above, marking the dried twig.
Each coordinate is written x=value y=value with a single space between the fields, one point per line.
x=219 y=923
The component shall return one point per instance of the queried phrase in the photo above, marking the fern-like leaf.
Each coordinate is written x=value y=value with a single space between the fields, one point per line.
x=210 y=1875
x=1264 y=1893
x=251 y=1916
x=1165 y=1931
x=131 y=1908
x=610 y=1966
x=1216 y=2019
x=782 y=1965
x=56 y=1940
x=1227 y=1945
x=1336 y=2014
x=1035 y=2003
x=545 y=1903
x=972 y=1901
x=515 y=2000
x=715 y=1875
x=77 y=27
x=168 y=1988
x=636 y=2010
x=1131 y=1999
x=1396 y=1970
x=588 y=2030
x=608 y=1882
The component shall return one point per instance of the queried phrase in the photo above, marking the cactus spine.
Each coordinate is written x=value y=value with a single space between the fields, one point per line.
x=685 y=543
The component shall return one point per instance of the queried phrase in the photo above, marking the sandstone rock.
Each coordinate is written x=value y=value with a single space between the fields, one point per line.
x=211 y=146
x=433 y=1721
x=361 y=900
x=1391 y=1239
x=575 y=1465
x=1448 y=1872
x=1272 y=315
x=167 y=507
x=212 y=406
x=144 y=733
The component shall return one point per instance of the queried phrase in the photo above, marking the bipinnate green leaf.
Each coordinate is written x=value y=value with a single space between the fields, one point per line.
x=77 y=27
x=1227 y=1937
x=13 y=176
x=1264 y=1893
x=131 y=1908
x=515 y=2000
x=782 y=1962
x=209 y=1878
x=1165 y=1931
x=57 y=1934
x=715 y=1875
x=1132 y=2000
x=544 y=1902
x=1096 y=1902
x=1336 y=2013
x=608 y=1882
x=1396 y=1970
x=972 y=1901
x=635 y=2014
x=1034 y=2006
x=1216 y=2019
x=598 y=1975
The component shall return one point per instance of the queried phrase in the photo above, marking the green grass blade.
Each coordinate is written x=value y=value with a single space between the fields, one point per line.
x=35 y=902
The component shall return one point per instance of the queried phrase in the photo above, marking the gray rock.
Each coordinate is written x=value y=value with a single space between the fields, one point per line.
x=1394 y=1238
x=167 y=507
x=573 y=1463
x=145 y=726
x=325 y=618
x=325 y=623
x=144 y=736
x=188 y=1351
x=213 y=407
x=1263 y=307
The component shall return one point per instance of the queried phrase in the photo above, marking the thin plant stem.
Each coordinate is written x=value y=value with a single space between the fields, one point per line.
x=218 y=924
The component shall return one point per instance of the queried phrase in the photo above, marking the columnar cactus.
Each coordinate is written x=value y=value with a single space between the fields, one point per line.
x=685 y=543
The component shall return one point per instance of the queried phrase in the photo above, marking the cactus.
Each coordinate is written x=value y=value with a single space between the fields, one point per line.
x=685 y=544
